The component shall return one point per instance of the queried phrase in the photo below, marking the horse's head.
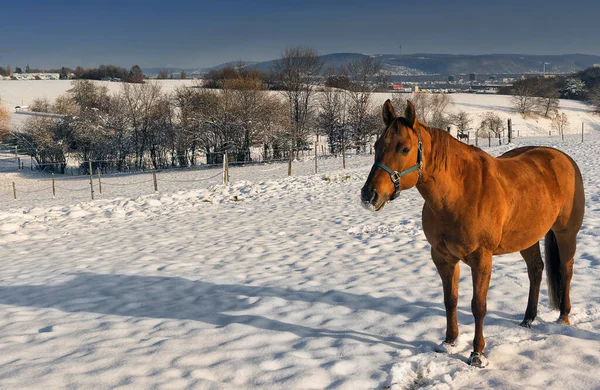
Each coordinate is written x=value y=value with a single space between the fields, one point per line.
x=398 y=158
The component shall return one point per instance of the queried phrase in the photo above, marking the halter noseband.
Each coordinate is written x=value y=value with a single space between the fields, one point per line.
x=395 y=175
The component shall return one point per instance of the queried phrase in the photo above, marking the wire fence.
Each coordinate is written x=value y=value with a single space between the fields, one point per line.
x=36 y=186
x=11 y=160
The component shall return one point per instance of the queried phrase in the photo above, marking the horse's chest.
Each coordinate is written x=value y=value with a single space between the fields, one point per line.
x=449 y=247
x=452 y=239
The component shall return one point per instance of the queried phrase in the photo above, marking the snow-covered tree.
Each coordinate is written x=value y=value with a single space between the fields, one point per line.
x=573 y=88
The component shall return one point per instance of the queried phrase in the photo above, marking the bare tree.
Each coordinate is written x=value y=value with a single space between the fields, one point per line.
x=546 y=96
x=4 y=122
x=523 y=97
x=39 y=138
x=66 y=105
x=491 y=125
x=431 y=108
x=296 y=71
x=399 y=101
x=462 y=121
x=594 y=98
x=141 y=101
x=40 y=105
x=364 y=78
x=119 y=131
x=560 y=123
x=330 y=120
x=86 y=94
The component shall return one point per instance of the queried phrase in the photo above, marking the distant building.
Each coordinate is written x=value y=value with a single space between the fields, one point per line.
x=450 y=78
x=400 y=88
x=35 y=76
x=472 y=76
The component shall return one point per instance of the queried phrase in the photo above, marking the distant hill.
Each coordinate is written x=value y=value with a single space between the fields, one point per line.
x=443 y=64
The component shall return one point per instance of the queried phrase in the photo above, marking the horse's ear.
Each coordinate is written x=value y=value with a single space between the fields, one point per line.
x=410 y=113
x=388 y=113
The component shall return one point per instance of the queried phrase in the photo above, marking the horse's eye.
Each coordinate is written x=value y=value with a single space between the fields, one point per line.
x=405 y=150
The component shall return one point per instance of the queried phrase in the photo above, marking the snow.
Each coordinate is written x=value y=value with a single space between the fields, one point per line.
x=270 y=282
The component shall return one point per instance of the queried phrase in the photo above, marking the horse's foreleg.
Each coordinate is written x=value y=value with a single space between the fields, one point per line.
x=450 y=273
x=535 y=267
x=481 y=271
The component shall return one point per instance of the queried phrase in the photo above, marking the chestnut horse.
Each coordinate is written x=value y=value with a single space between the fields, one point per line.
x=477 y=206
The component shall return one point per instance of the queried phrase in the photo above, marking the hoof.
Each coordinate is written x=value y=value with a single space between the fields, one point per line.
x=526 y=323
x=445 y=347
x=477 y=360
x=563 y=320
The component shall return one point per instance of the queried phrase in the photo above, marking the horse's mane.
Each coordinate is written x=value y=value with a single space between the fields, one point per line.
x=445 y=148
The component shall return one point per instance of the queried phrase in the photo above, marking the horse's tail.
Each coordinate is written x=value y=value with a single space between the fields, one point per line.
x=552 y=269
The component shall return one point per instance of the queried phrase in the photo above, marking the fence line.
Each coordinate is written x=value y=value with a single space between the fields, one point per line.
x=58 y=186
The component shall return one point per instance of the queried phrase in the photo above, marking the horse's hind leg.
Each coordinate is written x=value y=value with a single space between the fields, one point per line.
x=535 y=267
x=567 y=242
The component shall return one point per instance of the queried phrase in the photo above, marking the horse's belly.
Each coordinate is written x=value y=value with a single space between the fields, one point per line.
x=520 y=237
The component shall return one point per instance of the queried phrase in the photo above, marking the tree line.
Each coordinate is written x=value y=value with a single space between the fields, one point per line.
x=143 y=127
x=103 y=72
x=540 y=95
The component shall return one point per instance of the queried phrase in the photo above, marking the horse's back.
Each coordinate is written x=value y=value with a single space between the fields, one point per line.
x=543 y=173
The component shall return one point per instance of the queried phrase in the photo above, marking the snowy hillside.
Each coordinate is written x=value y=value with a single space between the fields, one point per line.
x=272 y=282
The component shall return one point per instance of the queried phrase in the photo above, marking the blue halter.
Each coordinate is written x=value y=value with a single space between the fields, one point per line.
x=395 y=175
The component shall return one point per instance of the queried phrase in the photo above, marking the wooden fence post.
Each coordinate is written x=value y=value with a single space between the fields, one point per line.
x=154 y=180
x=344 y=154
x=509 y=130
x=316 y=146
x=53 y=187
x=226 y=169
x=99 y=181
x=14 y=191
x=490 y=140
x=91 y=179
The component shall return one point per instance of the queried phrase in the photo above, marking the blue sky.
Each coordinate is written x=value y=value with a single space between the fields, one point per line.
x=202 y=33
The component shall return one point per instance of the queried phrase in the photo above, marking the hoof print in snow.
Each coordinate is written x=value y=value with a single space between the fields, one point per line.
x=46 y=329
x=477 y=360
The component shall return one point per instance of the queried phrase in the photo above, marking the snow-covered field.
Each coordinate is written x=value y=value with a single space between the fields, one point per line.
x=270 y=283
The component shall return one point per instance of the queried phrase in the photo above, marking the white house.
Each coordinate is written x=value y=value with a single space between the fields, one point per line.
x=33 y=76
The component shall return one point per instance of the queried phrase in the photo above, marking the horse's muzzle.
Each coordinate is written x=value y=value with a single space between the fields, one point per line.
x=371 y=199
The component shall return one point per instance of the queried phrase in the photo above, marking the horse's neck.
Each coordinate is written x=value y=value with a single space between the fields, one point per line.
x=445 y=173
